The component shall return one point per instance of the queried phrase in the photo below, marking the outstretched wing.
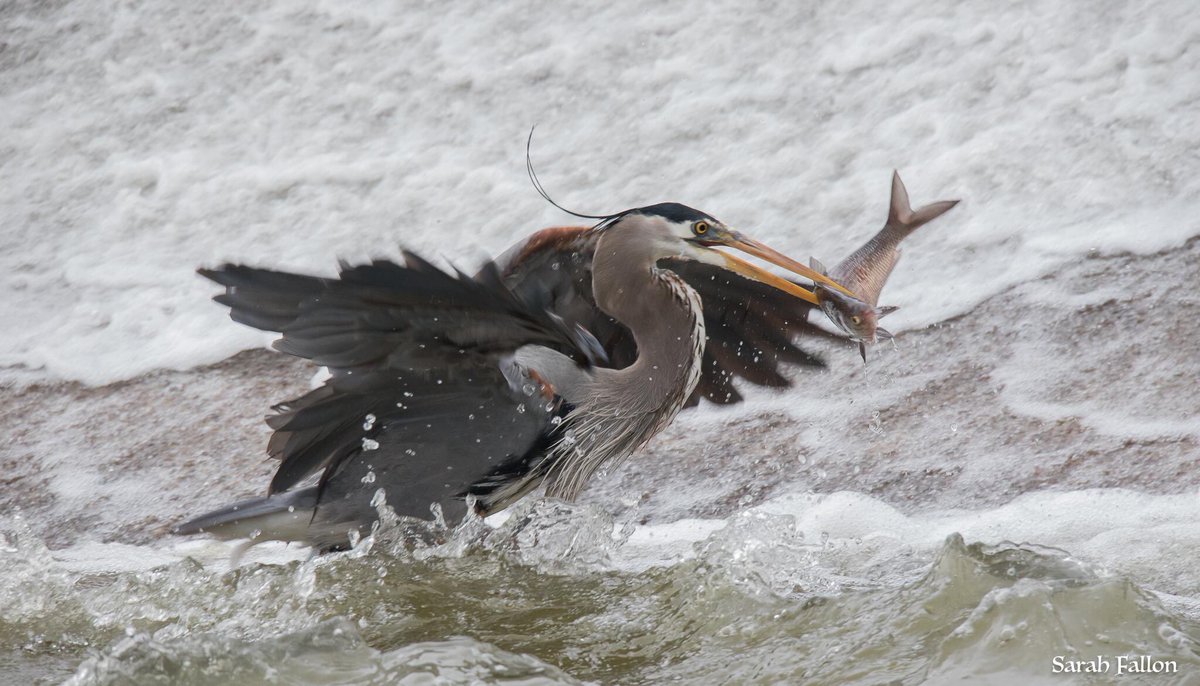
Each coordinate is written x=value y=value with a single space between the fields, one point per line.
x=750 y=326
x=383 y=314
x=415 y=352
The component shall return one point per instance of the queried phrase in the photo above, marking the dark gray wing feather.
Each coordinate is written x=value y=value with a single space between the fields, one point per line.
x=410 y=316
x=414 y=353
x=750 y=327
x=425 y=437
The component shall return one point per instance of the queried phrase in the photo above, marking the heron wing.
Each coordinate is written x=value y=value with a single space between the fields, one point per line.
x=750 y=326
x=423 y=436
x=401 y=316
x=415 y=354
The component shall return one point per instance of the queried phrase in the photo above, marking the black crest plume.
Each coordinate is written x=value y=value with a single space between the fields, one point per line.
x=605 y=219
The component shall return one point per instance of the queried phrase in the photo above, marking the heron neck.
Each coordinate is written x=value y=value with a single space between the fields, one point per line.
x=660 y=310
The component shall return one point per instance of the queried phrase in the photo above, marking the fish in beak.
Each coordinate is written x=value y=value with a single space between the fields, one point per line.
x=866 y=270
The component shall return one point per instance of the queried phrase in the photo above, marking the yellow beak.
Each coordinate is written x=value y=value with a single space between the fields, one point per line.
x=750 y=271
x=753 y=247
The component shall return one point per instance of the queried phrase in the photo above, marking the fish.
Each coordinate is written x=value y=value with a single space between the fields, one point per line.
x=855 y=309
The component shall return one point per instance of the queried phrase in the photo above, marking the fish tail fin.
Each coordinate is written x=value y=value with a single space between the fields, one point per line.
x=902 y=218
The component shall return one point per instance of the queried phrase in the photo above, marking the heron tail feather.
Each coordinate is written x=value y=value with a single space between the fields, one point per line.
x=278 y=517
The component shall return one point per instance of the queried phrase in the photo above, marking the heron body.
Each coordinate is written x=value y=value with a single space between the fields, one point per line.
x=567 y=354
x=621 y=409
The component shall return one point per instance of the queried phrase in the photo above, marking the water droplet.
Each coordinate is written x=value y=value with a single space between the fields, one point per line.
x=368 y=478
x=521 y=409
x=528 y=389
x=556 y=421
x=876 y=425
x=368 y=422
x=471 y=416
x=379 y=499
x=439 y=518
x=369 y=444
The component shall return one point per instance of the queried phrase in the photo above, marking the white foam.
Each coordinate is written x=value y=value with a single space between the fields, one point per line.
x=848 y=535
x=1119 y=530
x=130 y=162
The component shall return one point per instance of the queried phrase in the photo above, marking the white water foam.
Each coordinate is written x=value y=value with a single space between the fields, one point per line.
x=144 y=144
x=1113 y=531
x=1116 y=531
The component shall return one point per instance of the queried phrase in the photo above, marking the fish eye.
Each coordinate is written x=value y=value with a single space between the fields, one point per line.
x=856 y=319
x=700 y=228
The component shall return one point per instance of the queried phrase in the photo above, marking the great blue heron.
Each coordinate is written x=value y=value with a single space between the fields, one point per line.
x=568 y=353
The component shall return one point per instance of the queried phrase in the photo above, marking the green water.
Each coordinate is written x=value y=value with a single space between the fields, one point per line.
x=541 y=601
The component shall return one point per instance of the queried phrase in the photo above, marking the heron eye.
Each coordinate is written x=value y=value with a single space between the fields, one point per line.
x=700 y=228
x=856 y=319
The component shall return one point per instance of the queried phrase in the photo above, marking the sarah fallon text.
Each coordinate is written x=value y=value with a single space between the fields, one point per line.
x=1117 y=666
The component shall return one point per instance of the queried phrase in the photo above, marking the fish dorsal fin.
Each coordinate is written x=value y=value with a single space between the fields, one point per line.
x=884 y=310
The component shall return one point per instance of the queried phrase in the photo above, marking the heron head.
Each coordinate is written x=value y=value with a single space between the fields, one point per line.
x=689 y=233
x=697 y=234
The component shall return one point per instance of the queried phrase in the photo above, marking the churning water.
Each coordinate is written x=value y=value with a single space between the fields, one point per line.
x=558 y=594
